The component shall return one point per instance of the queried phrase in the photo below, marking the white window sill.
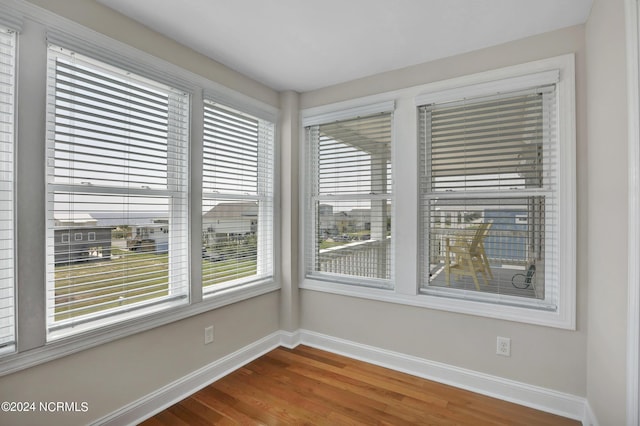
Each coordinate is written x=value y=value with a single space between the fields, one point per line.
x=523 y=314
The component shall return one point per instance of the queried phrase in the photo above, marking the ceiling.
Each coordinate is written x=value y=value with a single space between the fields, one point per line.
x=304 y=45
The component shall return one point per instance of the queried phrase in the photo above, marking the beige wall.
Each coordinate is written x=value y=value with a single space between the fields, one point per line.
x=607 y=207
x=541 y=356
x=110 y=23
x=113 y=375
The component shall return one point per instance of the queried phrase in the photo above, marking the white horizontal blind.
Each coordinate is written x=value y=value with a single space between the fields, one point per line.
x=117 y=153
x=7 y=135
x=349 y=211
x=495 y=144
x=237 y=188
x=492 y=160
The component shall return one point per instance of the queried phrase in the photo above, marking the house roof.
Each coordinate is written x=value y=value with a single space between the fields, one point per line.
x=74 y=218
x=223 y=210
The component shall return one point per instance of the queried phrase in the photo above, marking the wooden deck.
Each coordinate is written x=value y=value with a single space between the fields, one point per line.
x=500 y=284
x=313 y=387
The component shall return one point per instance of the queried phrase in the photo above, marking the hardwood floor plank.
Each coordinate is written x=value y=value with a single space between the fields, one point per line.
x=309 y=386
x=222 y=404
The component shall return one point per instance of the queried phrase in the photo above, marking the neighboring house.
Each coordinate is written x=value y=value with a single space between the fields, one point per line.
x=327 y=221
x=353 y=220
x=509 y=236
x=359 y=219
x=514 y=237
x=153 y=237
x=75 y=219
x=230 y=219
x=78 y=239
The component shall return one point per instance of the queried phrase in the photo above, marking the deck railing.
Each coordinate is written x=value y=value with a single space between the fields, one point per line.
x=369 y=259
x=372 y=258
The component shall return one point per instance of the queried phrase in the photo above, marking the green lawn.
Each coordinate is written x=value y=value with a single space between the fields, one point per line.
x=226 y=270
x=129 y=277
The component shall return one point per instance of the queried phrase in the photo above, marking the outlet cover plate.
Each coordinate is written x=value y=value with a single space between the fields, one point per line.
x=208 y=335
x=503 y=346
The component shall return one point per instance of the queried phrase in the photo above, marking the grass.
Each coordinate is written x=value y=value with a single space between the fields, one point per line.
x=129 y=277
x=226 y=270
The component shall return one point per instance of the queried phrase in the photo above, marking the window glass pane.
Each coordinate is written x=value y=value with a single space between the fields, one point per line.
x=237 y=205
x=493 y=245
x=350 y=193
x=495 y=144
x=354 y=156
x=354 y=238
x=489 y=206
x=117 y=194
x=7 y=105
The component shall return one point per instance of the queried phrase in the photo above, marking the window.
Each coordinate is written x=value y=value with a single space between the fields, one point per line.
x=117 y=152
x=237 y=198
x=7 y=111
x=489 y=196
x=92 y=236
x=349 y=201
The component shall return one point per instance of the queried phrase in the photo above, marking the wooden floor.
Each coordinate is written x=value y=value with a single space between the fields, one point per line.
x=313 y=387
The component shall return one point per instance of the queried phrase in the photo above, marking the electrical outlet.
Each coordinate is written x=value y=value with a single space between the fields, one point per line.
x=503 y=346
x=208 y=335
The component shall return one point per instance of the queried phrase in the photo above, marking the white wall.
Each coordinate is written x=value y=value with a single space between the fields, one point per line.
x=607 y=211
x=542 y=356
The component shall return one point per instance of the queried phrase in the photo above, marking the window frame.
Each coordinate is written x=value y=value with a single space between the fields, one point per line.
x=265 y=194
x=176 y=191
x=406 y=289
x=335 y=281
x=482 y=93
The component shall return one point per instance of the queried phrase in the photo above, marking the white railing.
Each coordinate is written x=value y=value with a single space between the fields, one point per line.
x=369 y=259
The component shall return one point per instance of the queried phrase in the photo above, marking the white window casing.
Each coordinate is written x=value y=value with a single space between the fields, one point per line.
x=495 y=149
x=553 y=81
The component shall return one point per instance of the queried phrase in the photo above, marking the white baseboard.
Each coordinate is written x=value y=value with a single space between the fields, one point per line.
x=540 y=398
x=290 y=339
x=145 y=407
x=589 y=418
